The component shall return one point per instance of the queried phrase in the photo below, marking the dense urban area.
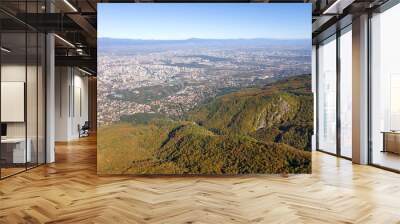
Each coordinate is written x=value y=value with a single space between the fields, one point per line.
x=172 y=80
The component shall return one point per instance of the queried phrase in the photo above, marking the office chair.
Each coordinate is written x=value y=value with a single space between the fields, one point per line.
x=84 y=130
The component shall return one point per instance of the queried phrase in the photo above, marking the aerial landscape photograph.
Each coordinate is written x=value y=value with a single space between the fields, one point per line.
x=203 y=89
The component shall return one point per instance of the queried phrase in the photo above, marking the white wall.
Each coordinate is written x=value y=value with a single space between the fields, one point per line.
x=80 y=110
x=71 y=94
x=62 y=82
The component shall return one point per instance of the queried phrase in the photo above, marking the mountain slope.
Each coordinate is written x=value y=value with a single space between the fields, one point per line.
x=278 y=112
x=253 y=130
x=196 y=150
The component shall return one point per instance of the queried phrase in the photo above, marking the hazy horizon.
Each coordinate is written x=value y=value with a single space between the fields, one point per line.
x=199 y=38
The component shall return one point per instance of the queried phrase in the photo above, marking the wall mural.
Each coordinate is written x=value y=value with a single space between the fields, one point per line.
x=204 y=89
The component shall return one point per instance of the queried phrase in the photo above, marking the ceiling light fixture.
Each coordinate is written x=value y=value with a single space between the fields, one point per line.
x=64 y=40
x=337 y=7
x=5 y=50
x=79 y=51
x=70 y=5
x=84 y=71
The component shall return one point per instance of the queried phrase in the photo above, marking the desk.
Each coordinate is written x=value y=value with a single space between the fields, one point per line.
x=15 y=148
x=391 y=141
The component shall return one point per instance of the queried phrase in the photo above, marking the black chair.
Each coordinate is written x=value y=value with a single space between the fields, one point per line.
x=84 y=130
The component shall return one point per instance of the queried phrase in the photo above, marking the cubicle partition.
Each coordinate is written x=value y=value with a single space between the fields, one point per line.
x=22 y=77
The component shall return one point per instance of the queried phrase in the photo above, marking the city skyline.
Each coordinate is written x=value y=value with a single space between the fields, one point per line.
x=204 y=21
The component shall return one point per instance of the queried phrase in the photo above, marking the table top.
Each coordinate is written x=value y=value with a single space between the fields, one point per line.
x=391 y=132
x=13 y=140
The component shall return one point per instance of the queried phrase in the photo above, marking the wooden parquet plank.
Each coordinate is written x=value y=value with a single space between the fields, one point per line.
x=69 y=191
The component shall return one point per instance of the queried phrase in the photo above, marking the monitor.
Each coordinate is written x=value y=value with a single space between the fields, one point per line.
x=3 y=129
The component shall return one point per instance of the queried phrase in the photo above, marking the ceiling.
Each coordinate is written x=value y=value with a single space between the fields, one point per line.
x=75 y=21
x=329 y=16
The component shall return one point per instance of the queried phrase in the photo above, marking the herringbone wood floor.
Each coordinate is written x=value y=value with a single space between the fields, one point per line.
x=69 y=191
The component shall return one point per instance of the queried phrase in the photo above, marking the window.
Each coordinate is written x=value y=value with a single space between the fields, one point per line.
x=346 y=92
x=327 y=95
x=385 y=89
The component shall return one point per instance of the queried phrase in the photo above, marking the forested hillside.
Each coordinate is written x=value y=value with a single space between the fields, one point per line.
x=279 y=112
x=253 y=130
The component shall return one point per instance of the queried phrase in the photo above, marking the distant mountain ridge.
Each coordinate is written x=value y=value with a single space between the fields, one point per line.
x=112 y=42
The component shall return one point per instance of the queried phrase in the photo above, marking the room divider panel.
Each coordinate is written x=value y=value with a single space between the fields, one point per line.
x=22 y=80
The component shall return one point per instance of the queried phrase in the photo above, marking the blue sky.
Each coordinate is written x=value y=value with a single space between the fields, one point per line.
x=216 y=21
